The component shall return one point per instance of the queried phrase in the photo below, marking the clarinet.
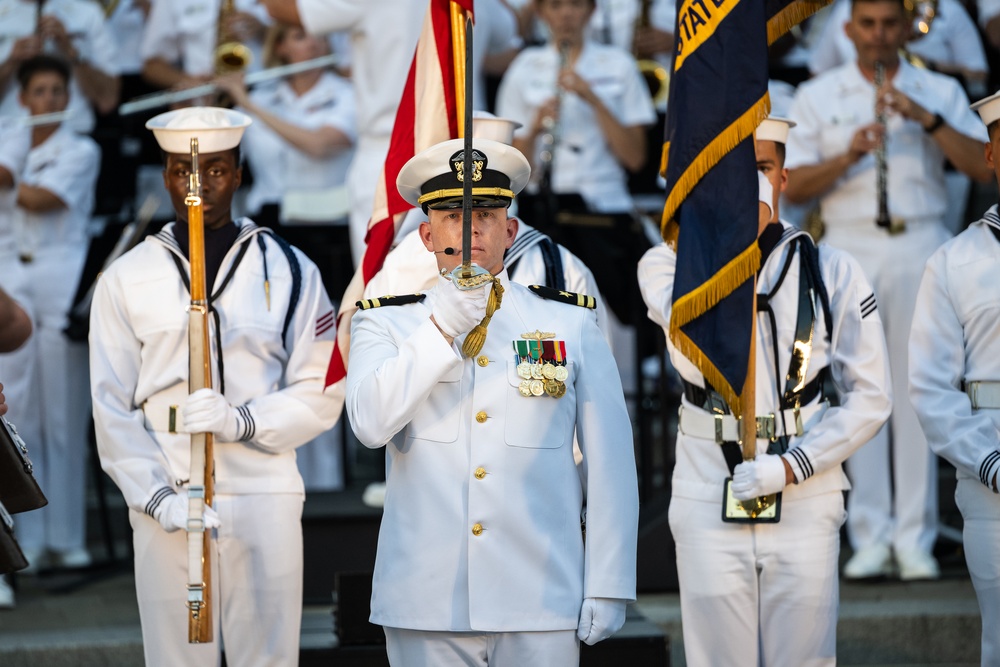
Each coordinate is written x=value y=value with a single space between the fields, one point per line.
x=551 y=126
x=881 y=164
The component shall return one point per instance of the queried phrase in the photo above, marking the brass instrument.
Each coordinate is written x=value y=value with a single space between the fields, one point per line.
x=655 y=74
x=230 y=55
x=923 y=13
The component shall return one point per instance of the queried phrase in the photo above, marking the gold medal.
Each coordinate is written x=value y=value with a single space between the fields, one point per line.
x=524 y=370
x=548 y=371
x=560 y=390
x=537 y=388
x=524 y=388
x=536 y=371
x=551 y=388
x=561 y=373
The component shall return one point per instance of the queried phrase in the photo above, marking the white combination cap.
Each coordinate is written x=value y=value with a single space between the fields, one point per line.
x=433 y=178
x=217 y=129
x=765 y=193
x=988 y=108
x=774 y=128
x=487 y=126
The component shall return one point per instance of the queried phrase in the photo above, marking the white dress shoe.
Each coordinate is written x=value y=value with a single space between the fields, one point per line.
x=917 y=565
x=869 y=562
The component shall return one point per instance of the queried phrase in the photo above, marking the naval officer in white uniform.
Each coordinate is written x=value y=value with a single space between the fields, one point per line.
x=481 y=554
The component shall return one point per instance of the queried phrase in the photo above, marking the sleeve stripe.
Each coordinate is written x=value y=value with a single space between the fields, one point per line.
x=157 y=498
x=805 y=465
x=988 y=468
x=249 y=426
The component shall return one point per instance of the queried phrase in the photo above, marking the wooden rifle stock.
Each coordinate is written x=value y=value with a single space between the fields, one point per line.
x=201 y=487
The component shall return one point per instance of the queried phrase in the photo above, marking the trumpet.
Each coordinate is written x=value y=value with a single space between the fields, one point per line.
x=167 y=98
x=923 y=13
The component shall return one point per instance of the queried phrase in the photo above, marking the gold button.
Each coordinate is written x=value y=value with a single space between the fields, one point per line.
x=477 y=529
x=483 y=360
x=480 y=472
x=481 y=417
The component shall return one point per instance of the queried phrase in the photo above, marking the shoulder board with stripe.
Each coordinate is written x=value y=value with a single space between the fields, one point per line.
x=571 y=298
x=366 y=304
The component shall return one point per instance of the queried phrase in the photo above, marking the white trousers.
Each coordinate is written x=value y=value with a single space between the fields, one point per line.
x=980 y=509
x=256 y=585
x=418 y=648
x=894 y=504
x=759 y=594
x=55 y=422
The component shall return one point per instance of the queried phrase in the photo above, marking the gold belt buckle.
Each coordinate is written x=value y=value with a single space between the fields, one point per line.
x=765 y=426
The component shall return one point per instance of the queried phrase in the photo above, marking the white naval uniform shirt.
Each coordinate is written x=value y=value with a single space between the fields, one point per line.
x=66 y=164
x=583 y=161
x=84 y=21
x=139 y=360
x=528 y=570
x=409 y=267
x=856 y=355
x=383 y=39
x=828 y=111
x=955 y=338
x=279 y=167
x=15 y=143
x=953 y=40
x=184 y=33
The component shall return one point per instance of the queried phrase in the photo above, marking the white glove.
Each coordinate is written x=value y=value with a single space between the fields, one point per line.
x=457 y=311
x=173 y=513
x=600 y=618
x=761 y=477
x=208 y=411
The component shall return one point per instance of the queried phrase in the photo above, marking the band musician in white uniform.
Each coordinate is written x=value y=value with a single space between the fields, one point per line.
x=892 y=510
x=955 y=383
x=480 y=555
x=271 y=340
x=771 y=589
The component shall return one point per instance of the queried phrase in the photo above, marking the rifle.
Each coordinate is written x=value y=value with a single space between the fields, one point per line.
x=200 y=487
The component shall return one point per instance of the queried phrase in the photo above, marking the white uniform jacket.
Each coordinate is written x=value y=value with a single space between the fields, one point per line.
x=830 y=108
x=139 y=367
x=583 y=161
x=409 y=267
x=473 y=450
x=278 y=166
x=955 y=339
x=84 y=21
x=855 y=353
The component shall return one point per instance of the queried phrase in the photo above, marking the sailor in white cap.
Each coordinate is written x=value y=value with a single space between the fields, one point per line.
x=272 y=336
x=771 y=589
x=480 y=553
x=955 y=382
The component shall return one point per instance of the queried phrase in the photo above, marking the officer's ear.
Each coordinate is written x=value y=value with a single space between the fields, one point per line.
x=425 y=235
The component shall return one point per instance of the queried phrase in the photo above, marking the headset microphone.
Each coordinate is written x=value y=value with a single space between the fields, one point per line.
x=447 y=251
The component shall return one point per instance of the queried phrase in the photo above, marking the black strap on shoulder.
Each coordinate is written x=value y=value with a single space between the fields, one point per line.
x=572 y=298
x=555 y=277
x=995 y=231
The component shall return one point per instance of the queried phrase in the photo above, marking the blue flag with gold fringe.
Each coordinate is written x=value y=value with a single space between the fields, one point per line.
x=718 y=96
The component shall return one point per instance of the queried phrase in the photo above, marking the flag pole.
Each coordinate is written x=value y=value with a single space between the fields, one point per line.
x=458 y=55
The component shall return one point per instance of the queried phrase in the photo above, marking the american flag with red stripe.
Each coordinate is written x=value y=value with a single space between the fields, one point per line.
x=427 y=115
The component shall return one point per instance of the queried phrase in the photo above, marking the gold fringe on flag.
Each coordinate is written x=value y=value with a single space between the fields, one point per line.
x=790 y=16
x=712 y=375
x=701 y=299
x=709 y=156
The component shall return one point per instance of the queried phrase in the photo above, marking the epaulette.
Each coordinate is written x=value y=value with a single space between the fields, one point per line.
x=571 y=298
x=366 y=304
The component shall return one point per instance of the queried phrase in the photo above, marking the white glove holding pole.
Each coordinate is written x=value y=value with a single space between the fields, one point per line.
x=600 y=618
x=761 y=477
x=457 y=311
x=208 y=411
x=173 y=513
